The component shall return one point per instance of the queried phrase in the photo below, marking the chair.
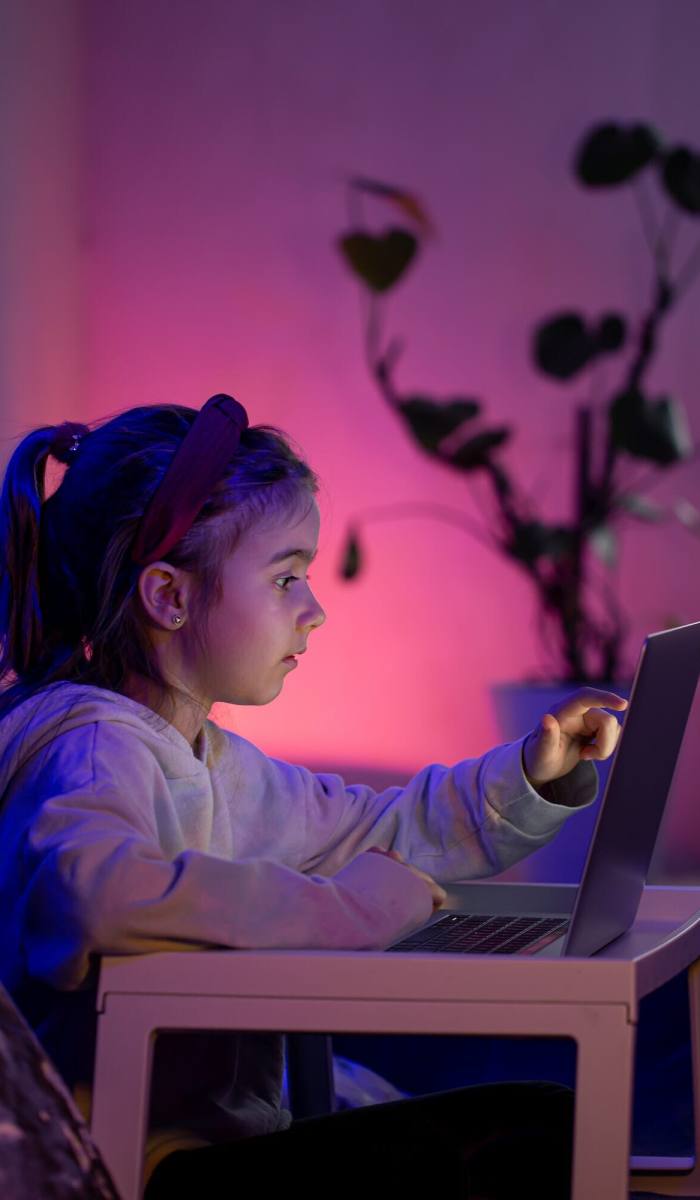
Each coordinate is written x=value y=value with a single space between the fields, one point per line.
x=46 y=1147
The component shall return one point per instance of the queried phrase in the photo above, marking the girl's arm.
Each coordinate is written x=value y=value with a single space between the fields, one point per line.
x=89 y=876
x=467 y=821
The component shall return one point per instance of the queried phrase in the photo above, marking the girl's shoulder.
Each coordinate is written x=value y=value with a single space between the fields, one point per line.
x=64 y=711
x=65 y=705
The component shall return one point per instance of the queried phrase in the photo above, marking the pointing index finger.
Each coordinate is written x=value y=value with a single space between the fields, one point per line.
x=594 y=698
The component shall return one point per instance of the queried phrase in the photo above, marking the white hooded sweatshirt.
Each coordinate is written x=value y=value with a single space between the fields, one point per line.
x=119 y=837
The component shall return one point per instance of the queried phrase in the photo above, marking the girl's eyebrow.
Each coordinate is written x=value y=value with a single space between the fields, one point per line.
x=307 y=556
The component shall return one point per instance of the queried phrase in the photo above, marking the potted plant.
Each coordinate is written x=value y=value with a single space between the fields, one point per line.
x=581 y=614
x=565 y=345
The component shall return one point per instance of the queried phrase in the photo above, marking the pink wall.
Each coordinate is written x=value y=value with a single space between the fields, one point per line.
x=41 y=150
x=218 y=139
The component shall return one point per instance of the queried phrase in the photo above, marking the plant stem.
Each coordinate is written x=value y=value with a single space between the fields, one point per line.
x=664 y=296
x=439 y=512
x=584 y=426
x=373 y=334
x=582 y=505
x=650 y=227
x=688 y=272
x=665 y=241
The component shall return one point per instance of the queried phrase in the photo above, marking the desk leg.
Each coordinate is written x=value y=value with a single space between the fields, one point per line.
x=686 y=1184
x=603 y=1109
x=121 y=1088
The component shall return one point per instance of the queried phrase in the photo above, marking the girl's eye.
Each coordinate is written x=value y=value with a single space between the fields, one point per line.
x=283 y=581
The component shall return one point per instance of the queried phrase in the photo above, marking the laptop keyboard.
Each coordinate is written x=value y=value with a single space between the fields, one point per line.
x=460 y=933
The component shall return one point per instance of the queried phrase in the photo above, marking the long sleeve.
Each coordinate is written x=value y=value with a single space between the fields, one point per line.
x=456 y=823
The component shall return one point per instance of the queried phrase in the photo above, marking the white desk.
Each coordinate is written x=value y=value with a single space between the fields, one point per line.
x=594 y=1001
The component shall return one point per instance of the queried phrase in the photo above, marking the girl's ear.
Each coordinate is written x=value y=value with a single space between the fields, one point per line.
x=165 y=591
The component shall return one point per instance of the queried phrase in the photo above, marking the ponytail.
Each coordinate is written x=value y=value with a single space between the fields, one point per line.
x=24 y=638
x=20 y=514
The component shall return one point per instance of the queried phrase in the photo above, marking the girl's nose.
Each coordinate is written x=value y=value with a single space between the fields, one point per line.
x=314 y=615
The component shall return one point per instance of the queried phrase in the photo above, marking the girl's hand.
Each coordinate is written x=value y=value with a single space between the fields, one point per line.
x=575 y=730
x=439 y=894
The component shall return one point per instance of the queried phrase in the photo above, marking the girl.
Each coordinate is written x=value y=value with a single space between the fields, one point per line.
x=166 y=572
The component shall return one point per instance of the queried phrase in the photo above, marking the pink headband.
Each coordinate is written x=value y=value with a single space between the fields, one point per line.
x=198 y=464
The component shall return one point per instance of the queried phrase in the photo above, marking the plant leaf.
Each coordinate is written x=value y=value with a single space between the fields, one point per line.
x=475 y=452
x=532 y=540
x=654 y=431
x=611 y=154
x=502 y=484
x=431 y=423
x=688 y=515
x=681 y=178
x=603 y=541
x=379 y=261
x=562 y=345
x=611 y=333
x=407 y=203
x=642 y=508
x=351 y=563
x=560 y=541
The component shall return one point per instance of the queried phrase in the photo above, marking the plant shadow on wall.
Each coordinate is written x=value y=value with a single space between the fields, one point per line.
x=623 y=440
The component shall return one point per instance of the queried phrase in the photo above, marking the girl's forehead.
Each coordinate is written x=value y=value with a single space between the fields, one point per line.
x=280 y=537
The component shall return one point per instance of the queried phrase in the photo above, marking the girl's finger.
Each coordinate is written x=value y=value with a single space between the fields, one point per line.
x=606 y=730
x=387 y=853
x=586 y=699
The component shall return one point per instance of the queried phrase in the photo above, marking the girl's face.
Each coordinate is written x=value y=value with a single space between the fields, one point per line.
x=266 y=612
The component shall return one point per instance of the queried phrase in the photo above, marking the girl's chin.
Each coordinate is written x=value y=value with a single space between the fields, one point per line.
x=253 y=699
x=267 y=697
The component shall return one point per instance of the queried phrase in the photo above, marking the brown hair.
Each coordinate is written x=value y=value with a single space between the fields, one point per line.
x=69 y=604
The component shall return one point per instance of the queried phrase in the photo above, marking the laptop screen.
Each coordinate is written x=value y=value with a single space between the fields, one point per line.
x=638 y=784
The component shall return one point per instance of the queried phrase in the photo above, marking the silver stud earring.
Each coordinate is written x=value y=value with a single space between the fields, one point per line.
x=176 y=619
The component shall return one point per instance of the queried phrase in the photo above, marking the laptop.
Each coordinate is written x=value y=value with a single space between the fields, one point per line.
x=625 y=833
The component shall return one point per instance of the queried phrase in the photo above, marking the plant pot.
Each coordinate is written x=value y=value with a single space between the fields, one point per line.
x=518 y=707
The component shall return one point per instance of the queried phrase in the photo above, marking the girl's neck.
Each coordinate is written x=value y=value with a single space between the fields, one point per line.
x=184 y=713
